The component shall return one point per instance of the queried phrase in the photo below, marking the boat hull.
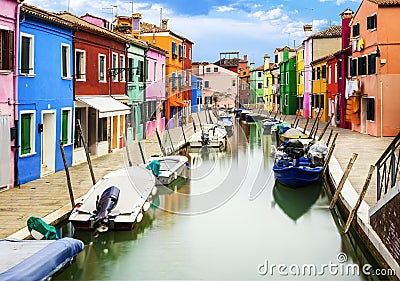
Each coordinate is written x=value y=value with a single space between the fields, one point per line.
x=297 y=176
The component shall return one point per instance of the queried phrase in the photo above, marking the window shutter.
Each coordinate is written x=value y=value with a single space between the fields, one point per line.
x=64 y=129
x=25 y=134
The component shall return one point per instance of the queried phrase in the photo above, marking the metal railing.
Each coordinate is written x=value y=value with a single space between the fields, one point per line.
x=387 y=168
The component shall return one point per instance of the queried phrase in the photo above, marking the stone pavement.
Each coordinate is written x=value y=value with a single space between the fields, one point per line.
x=49 y=196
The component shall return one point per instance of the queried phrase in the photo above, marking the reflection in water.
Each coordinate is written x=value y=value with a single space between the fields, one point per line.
x=295 y=202
x=219 y=225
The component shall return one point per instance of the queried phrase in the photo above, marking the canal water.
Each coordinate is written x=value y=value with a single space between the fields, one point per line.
x=231 y=221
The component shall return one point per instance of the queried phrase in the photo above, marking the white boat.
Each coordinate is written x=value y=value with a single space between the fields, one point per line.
x=217 y=137
x=116 y=201
x=171 y=167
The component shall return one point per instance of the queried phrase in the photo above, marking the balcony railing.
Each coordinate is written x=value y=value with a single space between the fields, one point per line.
x=387 y=168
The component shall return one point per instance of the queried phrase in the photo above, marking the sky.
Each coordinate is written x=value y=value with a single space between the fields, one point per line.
x=250 y=27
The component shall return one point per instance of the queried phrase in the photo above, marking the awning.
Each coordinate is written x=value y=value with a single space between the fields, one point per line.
x=177 y=103
x=107 y=106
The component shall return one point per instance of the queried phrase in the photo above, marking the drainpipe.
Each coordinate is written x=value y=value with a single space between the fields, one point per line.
x=15 y=97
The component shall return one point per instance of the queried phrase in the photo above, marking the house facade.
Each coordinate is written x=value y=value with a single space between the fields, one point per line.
x=300 y=78
x=45 y=93
x=288 y=84
x=8 y=92
x=319 y=89
x=256 y=84
x=197 y=93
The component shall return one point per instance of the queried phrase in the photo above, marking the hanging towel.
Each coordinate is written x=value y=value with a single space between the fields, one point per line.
x=351 y=87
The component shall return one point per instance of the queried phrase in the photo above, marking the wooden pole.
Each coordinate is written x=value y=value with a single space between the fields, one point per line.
x=127 y=152
x=184 y=137
x=141 y=152
x=194 y=126
x=160 y=144
x=170 y=139
x=329 y=138
x=71 y=194
x=328 y=158
x=305 y=127
x=198 y=116
x=316 y=129
x=360 y=199
x=325 y=128
x=343 y=180
x=284 y=118
x=86 y=152
x=334 y=138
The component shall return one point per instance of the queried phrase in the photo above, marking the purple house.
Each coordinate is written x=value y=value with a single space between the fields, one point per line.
x=9 y=18
x=155 y=88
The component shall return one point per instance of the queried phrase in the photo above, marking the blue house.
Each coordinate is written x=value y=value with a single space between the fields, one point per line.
x=45 y=93
x=197 y=93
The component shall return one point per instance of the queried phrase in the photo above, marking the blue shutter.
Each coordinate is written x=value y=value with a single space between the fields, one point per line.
x=180 y=50
x=173 y=80
x=173 y=48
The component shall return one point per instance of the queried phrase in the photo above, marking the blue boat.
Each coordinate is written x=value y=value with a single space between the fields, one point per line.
x=291 y=175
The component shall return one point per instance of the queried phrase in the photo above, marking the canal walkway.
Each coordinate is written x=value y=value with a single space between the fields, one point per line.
x=48 y=197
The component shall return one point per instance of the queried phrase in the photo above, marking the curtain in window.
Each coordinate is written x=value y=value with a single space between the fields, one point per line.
x=5 y=149
x=25 y=133
x=64 y=127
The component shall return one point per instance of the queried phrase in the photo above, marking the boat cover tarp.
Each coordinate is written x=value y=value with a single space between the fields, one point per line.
x=154 y=166
x=36 y=260
x=49 y=232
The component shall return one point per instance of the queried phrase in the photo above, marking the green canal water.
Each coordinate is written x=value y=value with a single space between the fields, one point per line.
x=231 y=221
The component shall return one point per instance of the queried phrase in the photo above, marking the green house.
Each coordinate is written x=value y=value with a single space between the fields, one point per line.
x=256 y=84
x=288 y=85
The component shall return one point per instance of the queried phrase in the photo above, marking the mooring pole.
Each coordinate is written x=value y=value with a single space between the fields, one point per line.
x=183 y=132
x=127 y=151
x=71 y=194
x=194 y=126
x=342 y=181
x=305 y=127
x=325 y=128
x=329 y=138
x=170 y=139
x=360 y=199
x=86 y=152
x=198 y=116
x=160 y=144
x=141 y=152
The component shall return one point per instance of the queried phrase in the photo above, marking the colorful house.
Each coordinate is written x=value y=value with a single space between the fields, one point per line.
x=197 y=93
x=187 y=76
x=99 y=55
x=45 y=93
x=300 y=78
x=288 y=84
x=256 y=84
x=374 y=69
x=8 y=92
x=244 y=86
x=319 y=89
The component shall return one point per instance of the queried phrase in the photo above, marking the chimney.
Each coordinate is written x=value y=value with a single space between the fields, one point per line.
x=267 y=60
x=136 y=25
x=307 y=30
x=252 y=64
x=347 y=16
x=164 y=24
x=245 y=58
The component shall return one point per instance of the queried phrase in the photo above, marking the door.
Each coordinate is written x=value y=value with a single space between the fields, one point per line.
x=115 y=132
x=48 y=142
x=5 y=151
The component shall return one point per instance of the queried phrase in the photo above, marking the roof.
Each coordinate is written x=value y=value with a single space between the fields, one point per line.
x=386 y=2
x=157 y=49
x=45 y=15
x=284 y=48
x=92 y=28
x=331 y=32
x=146 y=27
x=258 y=68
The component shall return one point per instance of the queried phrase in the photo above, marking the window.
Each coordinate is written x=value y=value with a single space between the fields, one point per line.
x=65 y=61
x=259 y=85
x=313 y=74
x=27 y=132
x=324 y=72
x=6 y=49
x=318 y=73
x=339 y=69
x=66 y=120
x=80 y=65
x=234 y=83
x=215 y=69
x=79 y=113
x=286 y=100
x=114 y=66
x=371 y=22
x=27 y=54
x=147 y=70
x=336 y=72
x=353 y=67
x=362 y=65
x=330 y=74
x=180 y=80
x=190 y=53
x=102 y=68
x=180 y=51
x=356 y=30
x=140 y=71
x=155 y=72
x=206 y=84
x=102 y=133
x=372 y=64
x=287 y=78
x=370 y=109
x=184 y=51
x=131 y=69
x=173 y=48
x=276 y=58
x=208 y=69
x=173 y=76
x=259 y=74
x=122 y=66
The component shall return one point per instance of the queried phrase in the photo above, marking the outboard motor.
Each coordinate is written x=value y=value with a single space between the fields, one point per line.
x=205 y=139
x=295 y=150
x=104 y=205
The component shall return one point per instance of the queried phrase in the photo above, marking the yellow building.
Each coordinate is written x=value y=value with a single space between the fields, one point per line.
x=300 y=78
x=319 y=101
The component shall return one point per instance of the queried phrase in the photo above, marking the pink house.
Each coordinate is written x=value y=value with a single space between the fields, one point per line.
x=155 y=88
x=9 y=19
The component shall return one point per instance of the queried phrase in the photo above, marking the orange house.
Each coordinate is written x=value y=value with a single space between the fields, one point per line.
x=375 y=67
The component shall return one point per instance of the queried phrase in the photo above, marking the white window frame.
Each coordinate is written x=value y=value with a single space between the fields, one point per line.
x=31 y=54
x=68 y=62
x=104 y=70
x=336 y=72
x=287 y=78
x=33 y=133
x=155 y=71
x=114 y=78
x=83 y=65
x=69 y=109
x=330 y=74
x=184 y=51
x=190 y=53
x=122 y=76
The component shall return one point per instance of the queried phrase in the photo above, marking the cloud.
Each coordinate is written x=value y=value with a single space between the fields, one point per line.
x=271 y=15
x=223 y=9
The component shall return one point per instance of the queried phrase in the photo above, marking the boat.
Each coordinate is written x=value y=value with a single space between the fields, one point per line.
x=117 y=201
x=227 y=123
x=217 y=137
x=268 y=124
x=169 y=168
x=297 y=168
x=36 y=259
x=243 y=113
x=293 y=133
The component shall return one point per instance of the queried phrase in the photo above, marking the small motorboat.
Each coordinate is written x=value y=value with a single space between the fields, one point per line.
x=227 y=123
x=293 y=133
x=216 y=135
x=117 y=201
x=169 y=169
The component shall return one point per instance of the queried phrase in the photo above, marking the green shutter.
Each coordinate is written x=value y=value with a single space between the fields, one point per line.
x=25 y=134
x=64 y=127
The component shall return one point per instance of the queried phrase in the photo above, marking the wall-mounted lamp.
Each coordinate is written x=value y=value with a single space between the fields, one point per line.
x=378 y=52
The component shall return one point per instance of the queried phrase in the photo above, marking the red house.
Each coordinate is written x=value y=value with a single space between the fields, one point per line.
x=187 y=74
x=99 y=54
